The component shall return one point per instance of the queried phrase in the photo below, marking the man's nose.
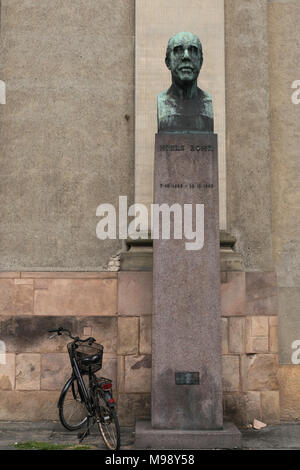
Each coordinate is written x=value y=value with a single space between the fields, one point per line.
x=186 y=54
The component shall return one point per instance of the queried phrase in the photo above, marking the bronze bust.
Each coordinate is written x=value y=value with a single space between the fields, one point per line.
x=184 y=107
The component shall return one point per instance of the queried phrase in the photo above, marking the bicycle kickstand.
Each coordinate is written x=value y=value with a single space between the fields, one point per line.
x=82 y=435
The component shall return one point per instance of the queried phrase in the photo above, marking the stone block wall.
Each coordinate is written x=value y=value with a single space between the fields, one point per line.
x=35 y=367
x=134 y=345
x=116 y=309
x=250 y=363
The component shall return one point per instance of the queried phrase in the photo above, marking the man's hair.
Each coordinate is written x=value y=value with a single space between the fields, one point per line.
x=169 y=47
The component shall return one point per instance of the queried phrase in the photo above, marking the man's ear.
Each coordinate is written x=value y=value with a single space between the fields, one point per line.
x=201 y=62
x=167 y=62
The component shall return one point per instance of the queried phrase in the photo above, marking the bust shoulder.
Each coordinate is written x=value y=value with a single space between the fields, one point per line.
x=205 y=95
x=164 y=96
x=166 y=103
x=207 y=101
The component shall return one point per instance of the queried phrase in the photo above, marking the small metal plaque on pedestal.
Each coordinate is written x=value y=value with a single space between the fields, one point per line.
x=187 y=378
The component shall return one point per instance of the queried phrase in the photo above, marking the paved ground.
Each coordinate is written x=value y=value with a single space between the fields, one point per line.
x=285 y=436
x=282 y=437
x=54 y=433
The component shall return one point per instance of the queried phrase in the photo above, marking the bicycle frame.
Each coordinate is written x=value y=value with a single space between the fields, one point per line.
x=86 y=398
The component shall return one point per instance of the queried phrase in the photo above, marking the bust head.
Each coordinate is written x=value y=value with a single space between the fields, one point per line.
x=184 y=107
x=184 y=58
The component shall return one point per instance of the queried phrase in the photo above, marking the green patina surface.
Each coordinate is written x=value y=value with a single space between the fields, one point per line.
x=184 y=108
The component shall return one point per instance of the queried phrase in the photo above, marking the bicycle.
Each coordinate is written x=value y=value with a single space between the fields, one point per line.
x=86 y=398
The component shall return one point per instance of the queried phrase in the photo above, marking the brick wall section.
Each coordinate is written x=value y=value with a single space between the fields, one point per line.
x=116 y=309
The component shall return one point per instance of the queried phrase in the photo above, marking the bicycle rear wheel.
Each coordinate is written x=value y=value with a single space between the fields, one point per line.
x=108 y=423
x=72 y=409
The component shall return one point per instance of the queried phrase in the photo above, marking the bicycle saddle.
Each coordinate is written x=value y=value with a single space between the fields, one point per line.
x=88 y=361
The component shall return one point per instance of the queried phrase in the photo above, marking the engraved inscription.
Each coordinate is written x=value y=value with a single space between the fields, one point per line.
x=181 y=148
x=201 y=148
x=187 y=185
x=172 y=148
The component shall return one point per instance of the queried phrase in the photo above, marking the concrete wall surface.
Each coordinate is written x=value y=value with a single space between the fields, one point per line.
x=284 y=20
x=66 y=138
x=248 y=131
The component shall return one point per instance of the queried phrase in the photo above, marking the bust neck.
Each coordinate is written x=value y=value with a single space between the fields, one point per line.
x=186 y=92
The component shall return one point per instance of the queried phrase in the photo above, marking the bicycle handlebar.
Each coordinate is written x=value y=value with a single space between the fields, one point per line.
x=59 y=331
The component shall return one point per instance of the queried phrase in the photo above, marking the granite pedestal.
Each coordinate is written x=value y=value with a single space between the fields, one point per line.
x=186 y=324
x=149 y=438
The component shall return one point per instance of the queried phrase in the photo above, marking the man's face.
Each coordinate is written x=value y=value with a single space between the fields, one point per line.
x=184 y=59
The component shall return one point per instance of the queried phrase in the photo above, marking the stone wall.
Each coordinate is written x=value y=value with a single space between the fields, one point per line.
x=36 y=368
x=116 y=308
x=250 y=364
x=134 y=345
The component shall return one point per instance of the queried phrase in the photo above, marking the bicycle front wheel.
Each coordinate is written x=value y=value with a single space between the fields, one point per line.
x=108 y=423
x=72 y=409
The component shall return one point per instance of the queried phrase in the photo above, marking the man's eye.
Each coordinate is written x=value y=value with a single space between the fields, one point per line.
x=193 y=50
x=178 y=50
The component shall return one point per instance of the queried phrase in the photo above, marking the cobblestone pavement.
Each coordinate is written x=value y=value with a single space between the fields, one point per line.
x=284 y=436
